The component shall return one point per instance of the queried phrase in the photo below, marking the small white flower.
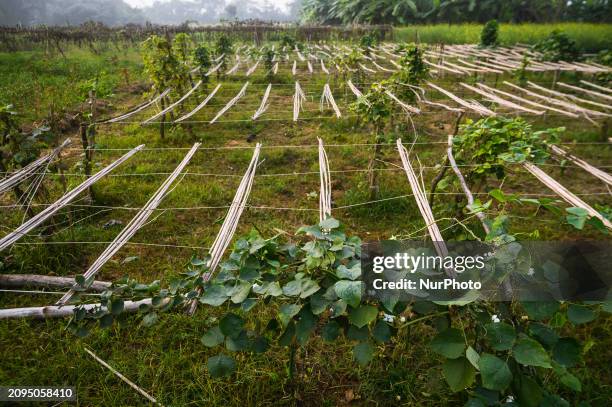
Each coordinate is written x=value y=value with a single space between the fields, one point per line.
x=531 y=271
x=495 y=318
x=256 y=286
x=402 y=319
x=331 y=310
x=388 y=318
x=509 y=399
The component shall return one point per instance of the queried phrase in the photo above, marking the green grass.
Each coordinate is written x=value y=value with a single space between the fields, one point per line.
x=168 y=359
x=589 y=37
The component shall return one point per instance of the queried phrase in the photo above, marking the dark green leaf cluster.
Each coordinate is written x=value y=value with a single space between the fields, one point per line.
x=491 y=143
x=413 y=71
x=489 y=34
x=558 y=46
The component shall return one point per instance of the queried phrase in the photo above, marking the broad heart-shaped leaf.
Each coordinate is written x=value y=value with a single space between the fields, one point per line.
x=305 y=326
x=459 y=373
x=579 y=314
x=529 y=352
x=329 y=223
x=349 y=291
x=214 y=295
x=213 y=337
x=240 y=292
x=363 y=353
x=577 y=217
x=528 y=392
x=540 y=310
x=231 y=325
x=567 y=352
x=287 y=312
x=362 y=315
x=545 y=335
x=150 y=319
x=308 y=287
x=494 y=372
x=381 y=331
x=238 y=343
x=116 y=307
x=330 y=331
x=220 y=365
x=449 y=343
x=500 y=335
x=292 y=288
x=566 y=378
x=472 y=356
x=352 y=273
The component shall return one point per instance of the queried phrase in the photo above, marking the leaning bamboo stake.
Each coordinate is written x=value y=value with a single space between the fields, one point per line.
x=140 y=108
x=26 y=172
x=298 y=98
x=382 y=68
x=253 y=68
x=424 y=208
x=464 y=185
x=354 y=89
x=365 y=68
x=294 y=68
x=173 y=105
x=594 y=86
x=36 y=280
x=325 y=192
x=477 y=108
x=602 y=175
x=235 y=67
x=323 y=68
x=231 y=103
x=500 y=101
x=587 y=91
x=564 y=193
x=122 y=377
x=405 y=107
x=328 y=97
x=200 y=106
x=230 y=223
x=264 y=103
x=575 y=98
x=133 y=226
x=527 y=101
x=42 y=216
x=310 y=70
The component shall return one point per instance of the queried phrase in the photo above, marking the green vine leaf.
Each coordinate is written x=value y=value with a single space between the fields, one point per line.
x=579 y=314
x=500 y=335
x=494 y=372
x=459 y=373
x=287 y=312
x=449 y=343
x=567 y=352
x=363 y=353
x=349 y=291
x=213 y=337
x=362 y=315
x=220 y=366
x=231 y=325
x=528 y=352
x=214 y=295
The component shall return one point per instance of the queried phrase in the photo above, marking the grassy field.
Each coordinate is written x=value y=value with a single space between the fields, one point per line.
x=168 y=359
x=589 y=37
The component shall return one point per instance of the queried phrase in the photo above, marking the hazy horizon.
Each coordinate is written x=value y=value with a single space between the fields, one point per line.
x=120 y=12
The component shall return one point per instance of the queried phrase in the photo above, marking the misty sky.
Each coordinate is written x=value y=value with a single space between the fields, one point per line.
x=143 y=3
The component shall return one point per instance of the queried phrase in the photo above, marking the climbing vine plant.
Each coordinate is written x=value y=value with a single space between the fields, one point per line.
x=492 y=351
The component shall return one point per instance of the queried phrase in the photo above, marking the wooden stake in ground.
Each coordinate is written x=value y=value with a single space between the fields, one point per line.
x=133 y=226
x=424 y=208
x=35 y=221
x=122 y=377
x=325 y=192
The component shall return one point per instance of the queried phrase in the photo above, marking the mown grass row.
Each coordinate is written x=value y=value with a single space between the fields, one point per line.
x=589 y=37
